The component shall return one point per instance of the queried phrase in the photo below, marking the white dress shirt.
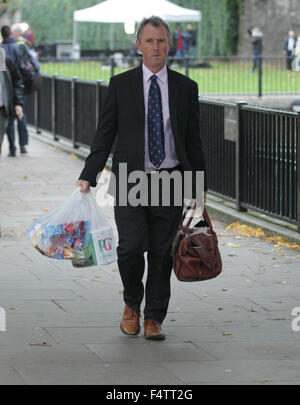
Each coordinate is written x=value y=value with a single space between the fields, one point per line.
x=171 y=159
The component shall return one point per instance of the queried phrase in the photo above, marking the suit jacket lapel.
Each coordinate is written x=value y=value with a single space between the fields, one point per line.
x=138 y=90
x=173 y=100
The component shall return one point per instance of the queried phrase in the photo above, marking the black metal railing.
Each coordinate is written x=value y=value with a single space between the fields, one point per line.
x=252 y=153
x=253 y=156
x=269 y=166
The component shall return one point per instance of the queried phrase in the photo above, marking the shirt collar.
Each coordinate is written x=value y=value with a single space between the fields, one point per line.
x=162 y=75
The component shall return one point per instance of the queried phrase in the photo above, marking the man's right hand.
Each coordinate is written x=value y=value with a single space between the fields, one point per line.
x=19 y=112
x=83 y=185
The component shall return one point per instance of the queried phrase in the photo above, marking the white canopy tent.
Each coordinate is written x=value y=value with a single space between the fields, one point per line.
x=132 y=11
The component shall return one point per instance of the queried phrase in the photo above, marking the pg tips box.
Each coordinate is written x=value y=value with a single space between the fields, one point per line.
x=104 y=246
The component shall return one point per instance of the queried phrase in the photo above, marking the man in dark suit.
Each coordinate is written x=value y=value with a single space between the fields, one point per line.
x=153 y=114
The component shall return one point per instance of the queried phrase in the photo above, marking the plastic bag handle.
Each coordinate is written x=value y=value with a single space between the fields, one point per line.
x=205 y=215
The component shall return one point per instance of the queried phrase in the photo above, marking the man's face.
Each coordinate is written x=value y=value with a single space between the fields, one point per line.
x=155 y=46
x=15 y=34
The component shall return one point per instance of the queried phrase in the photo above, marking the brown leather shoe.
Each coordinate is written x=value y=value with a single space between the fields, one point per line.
x=153 y=330
x=130 y=324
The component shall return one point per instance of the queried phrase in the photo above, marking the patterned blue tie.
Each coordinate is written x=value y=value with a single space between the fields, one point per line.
x=155 y=124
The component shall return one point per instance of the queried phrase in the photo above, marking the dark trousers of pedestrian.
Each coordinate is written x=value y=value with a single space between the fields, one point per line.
x=256 y=60
x=151 y=229
x=22 y=131
x=3 y=124
x=289 y=60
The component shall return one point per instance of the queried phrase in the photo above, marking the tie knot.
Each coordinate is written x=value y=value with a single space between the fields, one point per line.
x=153 y=78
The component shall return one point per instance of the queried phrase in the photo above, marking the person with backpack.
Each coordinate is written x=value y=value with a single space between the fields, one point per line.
x=11 y=49
x=29 y=69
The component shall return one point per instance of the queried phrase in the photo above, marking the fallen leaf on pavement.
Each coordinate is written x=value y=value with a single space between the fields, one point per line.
x=246 y=230
x=73 y=156
x=44 y=344
x=234 y=246
x=249 y=231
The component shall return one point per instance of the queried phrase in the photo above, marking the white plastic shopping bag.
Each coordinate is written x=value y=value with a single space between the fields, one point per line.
x=76 y=230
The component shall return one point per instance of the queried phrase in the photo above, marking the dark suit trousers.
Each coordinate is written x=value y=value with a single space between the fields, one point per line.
x=289 y=60
x=150 y=229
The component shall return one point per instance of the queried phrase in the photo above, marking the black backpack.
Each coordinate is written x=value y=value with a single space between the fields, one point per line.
x=29 y=69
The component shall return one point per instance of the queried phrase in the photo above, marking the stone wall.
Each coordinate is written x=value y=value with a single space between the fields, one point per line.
x=274 y=18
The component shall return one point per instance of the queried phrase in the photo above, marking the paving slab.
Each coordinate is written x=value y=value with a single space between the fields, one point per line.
x=240 y=372
x=135 y=373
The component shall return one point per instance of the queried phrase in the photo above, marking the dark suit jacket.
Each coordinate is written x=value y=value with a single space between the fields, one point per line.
x=123 y=116
x=12 y=88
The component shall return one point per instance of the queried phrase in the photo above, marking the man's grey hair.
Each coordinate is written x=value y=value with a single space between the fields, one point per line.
x=17 y=28
x=155 y=22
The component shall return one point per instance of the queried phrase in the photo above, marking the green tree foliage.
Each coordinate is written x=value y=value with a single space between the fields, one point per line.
x=219 y=26
x=53 y=20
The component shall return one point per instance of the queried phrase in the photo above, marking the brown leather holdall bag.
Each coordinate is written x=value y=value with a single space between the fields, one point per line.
x=195 y=251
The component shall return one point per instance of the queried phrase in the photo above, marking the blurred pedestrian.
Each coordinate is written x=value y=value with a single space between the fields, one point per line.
x=17 y=35
x=11 y=93
x=256 y=41
x=180 y=41
x=29 y=36
x=9 y=43
x=191 y=42
x=289 y=49
x=296 y=60
x=11 y=48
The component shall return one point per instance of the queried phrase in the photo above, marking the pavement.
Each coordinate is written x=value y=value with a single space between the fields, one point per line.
x=62 y=323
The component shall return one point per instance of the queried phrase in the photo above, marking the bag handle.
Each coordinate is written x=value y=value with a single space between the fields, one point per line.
x=190 y=206
x=205 y=215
